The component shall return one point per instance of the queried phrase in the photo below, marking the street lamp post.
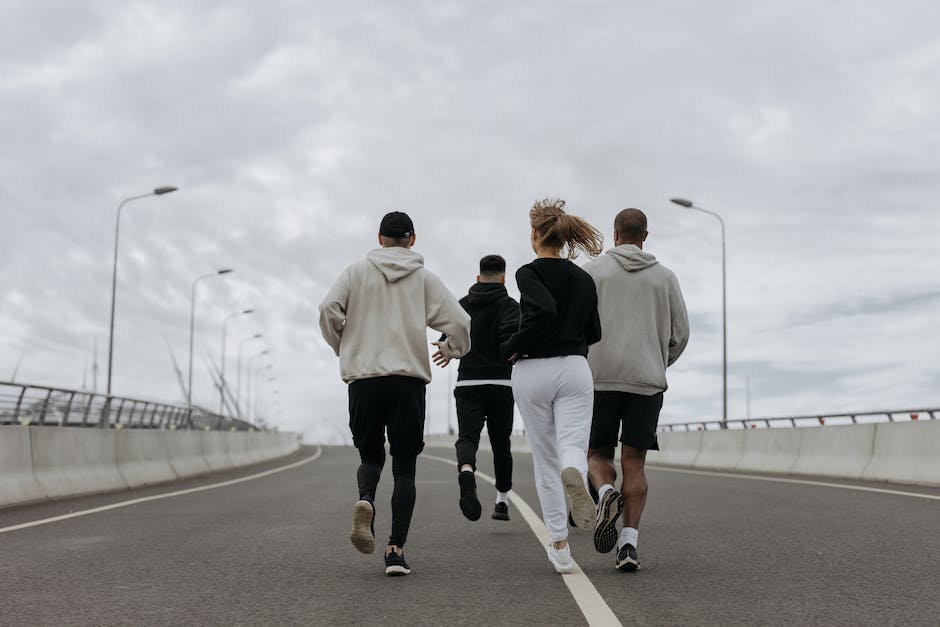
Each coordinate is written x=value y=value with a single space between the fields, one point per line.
x=244 y=312
x=192 y=326
x=688 y=204
x=159 y=191
x=248 y=381
x=238 y=367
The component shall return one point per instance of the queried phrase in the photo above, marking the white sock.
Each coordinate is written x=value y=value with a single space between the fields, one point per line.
x=603 y=490
x=628 y=535
x=466 y=468
x=502 y=497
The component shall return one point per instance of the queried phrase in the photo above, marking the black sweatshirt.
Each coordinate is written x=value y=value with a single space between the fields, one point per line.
x=494 y=317
x=559 y=311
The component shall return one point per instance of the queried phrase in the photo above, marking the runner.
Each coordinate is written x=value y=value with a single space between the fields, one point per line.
x=629 y=367
x=484 y=391
x=375 y=318
x=551 y=380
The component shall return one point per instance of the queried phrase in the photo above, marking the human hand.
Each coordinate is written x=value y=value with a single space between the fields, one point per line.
x=440 y=358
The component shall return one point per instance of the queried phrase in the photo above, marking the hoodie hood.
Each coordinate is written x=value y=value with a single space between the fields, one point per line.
x=482 y=294
x=395 y=262
x=632 y=257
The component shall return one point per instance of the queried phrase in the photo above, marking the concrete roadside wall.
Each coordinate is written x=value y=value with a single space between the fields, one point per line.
x=903 y=452
x=40 y=463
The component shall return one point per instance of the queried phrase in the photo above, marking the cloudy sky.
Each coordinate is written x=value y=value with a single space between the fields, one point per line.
x=291 y=127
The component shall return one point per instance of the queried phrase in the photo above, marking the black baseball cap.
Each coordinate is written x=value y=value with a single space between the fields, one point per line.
x=396 y=224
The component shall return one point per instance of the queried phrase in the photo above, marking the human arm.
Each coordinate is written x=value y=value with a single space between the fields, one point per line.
x=537 y=313
x=679 y=323
x=444 y=314
x=333 y=312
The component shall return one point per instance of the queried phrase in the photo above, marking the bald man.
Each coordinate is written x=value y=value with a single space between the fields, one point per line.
x=645 y=329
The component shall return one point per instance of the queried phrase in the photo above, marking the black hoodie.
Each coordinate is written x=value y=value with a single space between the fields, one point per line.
x=494 y=317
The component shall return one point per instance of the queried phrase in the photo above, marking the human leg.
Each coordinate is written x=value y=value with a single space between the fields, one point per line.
x=573 y=408
x=533 y=390
x=499 y=412
x=367 y=425
x=406 y=405
x=471 y=414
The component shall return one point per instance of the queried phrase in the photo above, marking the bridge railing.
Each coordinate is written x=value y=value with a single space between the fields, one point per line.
x=23 y=404
x=859 y=417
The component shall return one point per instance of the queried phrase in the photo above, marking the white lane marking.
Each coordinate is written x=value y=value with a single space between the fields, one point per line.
x=589 y=600
x=822 y=484
x=165 y=495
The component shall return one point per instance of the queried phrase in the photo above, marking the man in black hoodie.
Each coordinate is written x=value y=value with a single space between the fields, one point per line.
x=484 y=390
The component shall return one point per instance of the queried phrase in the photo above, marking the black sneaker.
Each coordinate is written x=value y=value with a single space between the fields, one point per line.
x=500 y=512
x=395 y=564
x=469 y=503
x=627 y=560
x=362 y=534
x=605 y=529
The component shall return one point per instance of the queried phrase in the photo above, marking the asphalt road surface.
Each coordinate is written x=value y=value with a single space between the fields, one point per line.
x=715 y=550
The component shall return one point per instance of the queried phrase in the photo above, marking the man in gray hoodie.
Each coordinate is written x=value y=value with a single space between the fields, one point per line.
x=645 y=329
x=375 y=318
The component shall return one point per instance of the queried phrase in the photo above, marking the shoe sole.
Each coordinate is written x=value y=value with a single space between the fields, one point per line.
x=605 y=531
x=583 y=510
x=500 y=516
x=628 y=565
x=397 y=571
x=361 y=535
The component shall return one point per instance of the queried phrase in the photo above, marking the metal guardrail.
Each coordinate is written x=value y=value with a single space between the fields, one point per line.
x=22 y=404
x=858 y=417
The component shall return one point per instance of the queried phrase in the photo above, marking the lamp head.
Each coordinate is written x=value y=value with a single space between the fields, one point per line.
x=224 y=270
x=248 y=311
x=166 y=189
x=682 y=202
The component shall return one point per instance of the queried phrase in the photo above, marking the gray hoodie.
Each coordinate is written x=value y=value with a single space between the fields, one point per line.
x=375 y=317
x=644 y=322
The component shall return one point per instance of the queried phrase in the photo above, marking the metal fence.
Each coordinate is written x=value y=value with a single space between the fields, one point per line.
x=859 y=417
x=22 y=404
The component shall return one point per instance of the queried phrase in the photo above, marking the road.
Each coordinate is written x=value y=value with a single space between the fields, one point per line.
x=274 y=549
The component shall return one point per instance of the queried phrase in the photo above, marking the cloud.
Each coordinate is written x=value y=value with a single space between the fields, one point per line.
x=290 y=129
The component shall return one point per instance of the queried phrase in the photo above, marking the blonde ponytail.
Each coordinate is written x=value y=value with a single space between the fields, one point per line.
x=556 y=229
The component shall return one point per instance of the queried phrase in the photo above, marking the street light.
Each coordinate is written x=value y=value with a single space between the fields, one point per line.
x=238 y=367
x=192 y=325
x=159 y=191
x=688 y=204
x=259 y=395
x=248 y=381
x=244 y=312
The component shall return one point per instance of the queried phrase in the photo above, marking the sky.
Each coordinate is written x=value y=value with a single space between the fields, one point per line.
x=291 y=127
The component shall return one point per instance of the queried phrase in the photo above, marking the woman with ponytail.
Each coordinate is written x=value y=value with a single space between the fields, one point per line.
x=551 y=380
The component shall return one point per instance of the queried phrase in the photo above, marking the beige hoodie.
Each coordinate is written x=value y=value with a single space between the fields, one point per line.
x=376 y=315
x=644 y=322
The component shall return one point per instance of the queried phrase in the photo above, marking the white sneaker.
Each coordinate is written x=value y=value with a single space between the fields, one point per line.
x=561 y=558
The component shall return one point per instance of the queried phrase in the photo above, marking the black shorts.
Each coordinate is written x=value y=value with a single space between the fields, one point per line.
x=635 y=416
x=396 y=403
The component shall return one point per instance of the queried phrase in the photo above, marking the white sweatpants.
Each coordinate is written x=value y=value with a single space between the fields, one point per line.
x=555 y=396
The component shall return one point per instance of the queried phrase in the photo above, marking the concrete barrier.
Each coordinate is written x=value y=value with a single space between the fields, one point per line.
x=143 y=457
x=770 y=450
x=70 y=461
x=677 y=448
x=17 y=482
x=38 y=463
x=906 y=451
x=215 y=450
x=837 y=451
x=721 y=449
x=186 y=458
